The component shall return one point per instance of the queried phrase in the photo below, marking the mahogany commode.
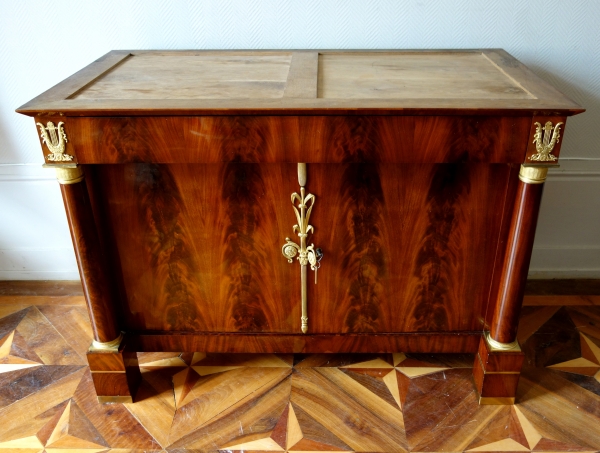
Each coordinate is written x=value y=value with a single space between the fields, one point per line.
x=191 y=178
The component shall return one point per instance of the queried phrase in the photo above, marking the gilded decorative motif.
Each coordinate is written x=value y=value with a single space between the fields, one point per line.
x=545 y=138
x=496 y=346
x=55 y=139
x=306 y=255
x=108 y=346
x=533 y=175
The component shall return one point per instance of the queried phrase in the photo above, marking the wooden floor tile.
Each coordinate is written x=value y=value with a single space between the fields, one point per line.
x=20 y=384
x=154 y=405
x=44 y=340
x=72 y=323
x=586 y=320
x=219 y=395
x=349 y=411
x=119 y=427
x=532 y=318
x=257 y=413
x=25 y=417
x=560 y=410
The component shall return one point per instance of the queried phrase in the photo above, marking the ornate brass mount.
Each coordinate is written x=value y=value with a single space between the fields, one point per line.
x=55 y=139
x=306 y=255
x=496 y=346
x=544 y=140
x=531 y=174
x=109 y=346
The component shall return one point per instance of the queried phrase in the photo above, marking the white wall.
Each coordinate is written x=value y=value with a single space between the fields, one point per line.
x=43 y=42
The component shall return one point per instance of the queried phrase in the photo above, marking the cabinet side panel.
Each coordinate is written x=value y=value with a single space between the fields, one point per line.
x=408 y=248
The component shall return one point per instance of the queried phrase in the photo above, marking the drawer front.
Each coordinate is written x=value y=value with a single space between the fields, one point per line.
x=197 y=247
x=312 y=139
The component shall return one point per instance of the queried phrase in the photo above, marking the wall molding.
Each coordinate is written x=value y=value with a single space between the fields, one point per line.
x=39 y=275
x=577 y=168
x=565 y=261
x=546 y=274
x=25 y=173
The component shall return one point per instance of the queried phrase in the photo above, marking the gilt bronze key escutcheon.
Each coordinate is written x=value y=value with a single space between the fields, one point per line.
x=307 y=255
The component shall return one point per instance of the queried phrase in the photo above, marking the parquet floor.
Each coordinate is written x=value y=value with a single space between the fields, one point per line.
x=336 y=402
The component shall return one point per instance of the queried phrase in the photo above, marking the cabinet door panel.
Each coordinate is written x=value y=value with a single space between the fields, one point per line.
x=407 y=248
x=198 y=247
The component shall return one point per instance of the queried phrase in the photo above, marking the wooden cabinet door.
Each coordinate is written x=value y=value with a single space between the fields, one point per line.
x=407 y=247
x=197 y=247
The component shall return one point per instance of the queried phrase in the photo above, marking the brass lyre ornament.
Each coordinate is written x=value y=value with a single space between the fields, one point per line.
x=55 y=139
x=545 y=138
x=306 y=255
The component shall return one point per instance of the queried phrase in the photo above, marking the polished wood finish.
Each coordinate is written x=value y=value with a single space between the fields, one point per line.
x=253 y=289
x=494 y=361
x=95 y=277
x=534 y=288
x=255 y=343
x=496 y=373
x=114 y=373
x=190 y=160
x=516 y=262
x=311 y=139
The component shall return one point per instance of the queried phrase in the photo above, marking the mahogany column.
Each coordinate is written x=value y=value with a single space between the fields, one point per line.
x=519 y=246
x=499 y=360
x=115 y=371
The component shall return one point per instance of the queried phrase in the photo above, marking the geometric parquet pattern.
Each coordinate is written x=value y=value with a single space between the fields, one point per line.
x=294 y=403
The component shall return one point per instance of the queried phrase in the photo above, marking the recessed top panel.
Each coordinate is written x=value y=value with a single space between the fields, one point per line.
x=192 y=76
x=302 y=82
x=414 y=75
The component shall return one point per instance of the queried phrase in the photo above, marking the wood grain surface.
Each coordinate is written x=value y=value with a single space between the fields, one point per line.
x=192 y=76
x=201 y=401
x=318 y=139
x=496 y=373
x=452 y=342
x=516 y=262
x=401 y=75
x=430 y=82
x=92 y=261
x=198 y=246
x=201 y=249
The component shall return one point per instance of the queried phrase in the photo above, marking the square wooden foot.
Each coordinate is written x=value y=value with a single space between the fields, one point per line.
x=496 y=373
x=116 y=374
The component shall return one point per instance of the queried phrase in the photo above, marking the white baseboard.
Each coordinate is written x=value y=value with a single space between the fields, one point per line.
x=565 y=262
x=564 y=274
